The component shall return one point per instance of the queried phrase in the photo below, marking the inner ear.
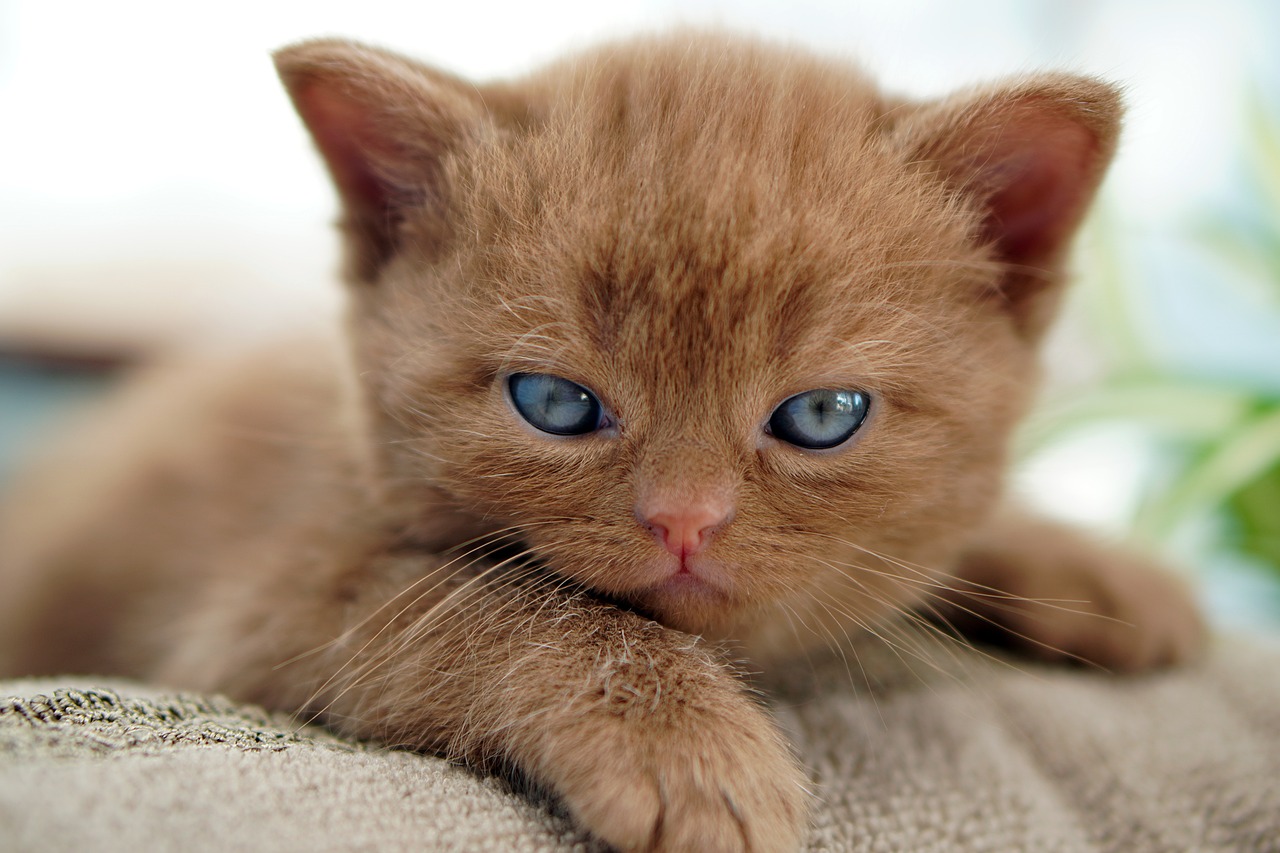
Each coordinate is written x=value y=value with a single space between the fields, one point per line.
x=1029 y=159
x=385 y=127
x=374 y=194
x=1035 y=183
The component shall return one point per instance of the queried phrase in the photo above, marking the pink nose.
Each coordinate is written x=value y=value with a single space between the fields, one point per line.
x=686 y=529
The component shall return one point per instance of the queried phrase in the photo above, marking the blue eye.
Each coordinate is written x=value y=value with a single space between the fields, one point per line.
x=817 y=420
x=555 y=405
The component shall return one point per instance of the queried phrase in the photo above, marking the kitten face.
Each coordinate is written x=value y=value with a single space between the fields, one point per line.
x=693 y=238
x=690 y=342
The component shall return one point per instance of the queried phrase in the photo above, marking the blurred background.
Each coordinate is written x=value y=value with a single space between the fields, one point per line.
x=156 y=190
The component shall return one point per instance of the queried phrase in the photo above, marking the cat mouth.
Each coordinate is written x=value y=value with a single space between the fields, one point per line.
x=689 y=594
x=694 y=573
x=689 y=583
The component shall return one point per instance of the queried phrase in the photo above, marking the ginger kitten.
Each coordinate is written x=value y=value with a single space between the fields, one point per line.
x=683 y=349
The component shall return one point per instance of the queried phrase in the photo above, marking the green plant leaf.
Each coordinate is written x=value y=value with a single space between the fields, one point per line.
x=1183 y=410
x=1263 y=148
x=1241 y=457
x=1255 y=510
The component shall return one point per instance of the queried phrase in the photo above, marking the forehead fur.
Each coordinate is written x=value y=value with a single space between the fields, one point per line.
x=671 y=199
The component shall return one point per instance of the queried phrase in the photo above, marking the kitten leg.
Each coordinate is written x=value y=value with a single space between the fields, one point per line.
x=645 y=733
x=1057 y=594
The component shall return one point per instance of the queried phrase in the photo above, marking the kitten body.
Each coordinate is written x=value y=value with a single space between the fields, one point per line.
x=693 y=230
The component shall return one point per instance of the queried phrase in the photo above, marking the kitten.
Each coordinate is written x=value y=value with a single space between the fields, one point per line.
x=683 y=350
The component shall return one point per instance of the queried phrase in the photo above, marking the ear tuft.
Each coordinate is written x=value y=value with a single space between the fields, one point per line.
x=385 y=126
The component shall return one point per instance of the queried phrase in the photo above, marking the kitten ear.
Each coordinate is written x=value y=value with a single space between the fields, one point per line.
x=384 y=126
x=1031 y=157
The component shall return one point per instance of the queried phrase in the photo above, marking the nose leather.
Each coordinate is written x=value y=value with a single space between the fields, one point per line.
x=686 y=528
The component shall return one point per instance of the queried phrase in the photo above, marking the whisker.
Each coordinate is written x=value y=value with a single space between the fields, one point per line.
x=474 y=589
x=952 y=633
x=482 y=541
x=973 y=589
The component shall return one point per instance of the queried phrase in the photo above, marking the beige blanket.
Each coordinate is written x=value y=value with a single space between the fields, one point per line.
x=975 y=755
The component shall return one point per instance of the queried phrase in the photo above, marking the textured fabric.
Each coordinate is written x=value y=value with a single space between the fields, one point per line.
x=962 y=753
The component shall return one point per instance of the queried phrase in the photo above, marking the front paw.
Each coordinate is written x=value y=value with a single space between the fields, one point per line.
x=1059 y=596
x=709 y=776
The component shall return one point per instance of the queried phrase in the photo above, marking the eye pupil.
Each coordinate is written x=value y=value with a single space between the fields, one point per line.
x=819 y=419
x=554 y=405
